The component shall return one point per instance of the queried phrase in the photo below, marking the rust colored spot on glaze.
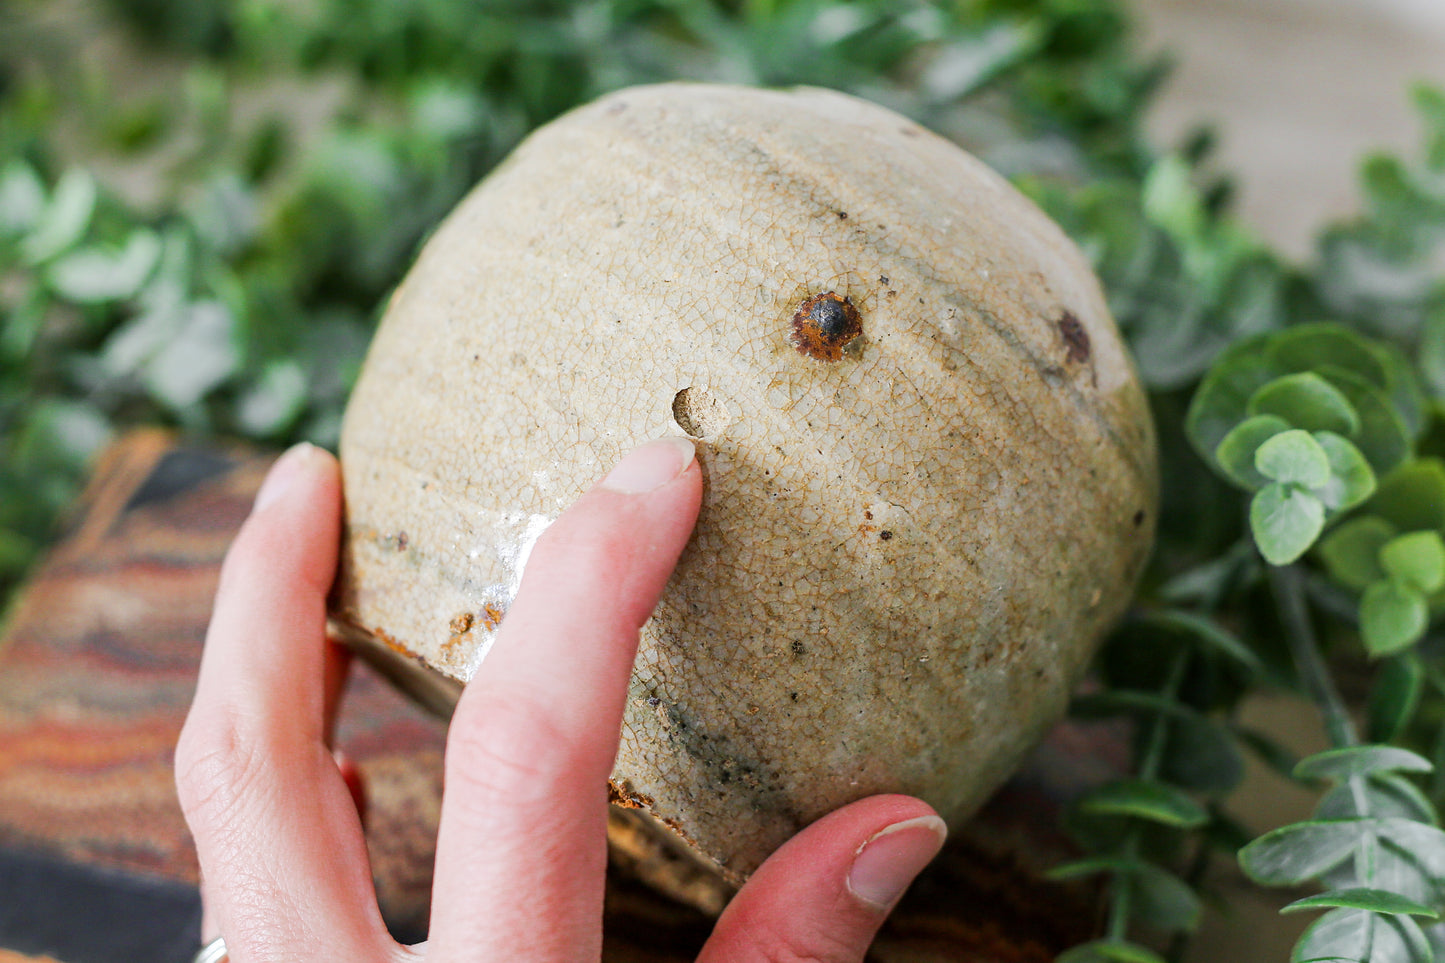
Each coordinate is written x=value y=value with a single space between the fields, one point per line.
x=491 y=616
x=1076 y=339
x=462 y=624
x=824 y=325
x=624 y=795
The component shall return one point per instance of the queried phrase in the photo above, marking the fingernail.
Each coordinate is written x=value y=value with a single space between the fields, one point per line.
x=651 y=466
x=887 y=863
x=283 y=474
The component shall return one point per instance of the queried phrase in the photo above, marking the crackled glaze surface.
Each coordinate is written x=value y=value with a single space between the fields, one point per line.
x=904 y=556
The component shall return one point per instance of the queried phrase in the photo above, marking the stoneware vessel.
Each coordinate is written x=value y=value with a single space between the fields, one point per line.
x=930 y=472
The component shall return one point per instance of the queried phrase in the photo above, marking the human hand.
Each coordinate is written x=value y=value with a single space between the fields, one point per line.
x=521 y=853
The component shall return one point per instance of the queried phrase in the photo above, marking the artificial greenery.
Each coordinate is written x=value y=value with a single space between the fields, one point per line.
x=291 y=157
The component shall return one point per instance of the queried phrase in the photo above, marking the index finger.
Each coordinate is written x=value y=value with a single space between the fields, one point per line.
x=521 y=854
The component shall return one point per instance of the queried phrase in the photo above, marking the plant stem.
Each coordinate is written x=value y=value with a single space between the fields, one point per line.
x=1288 y=585
x=1121 y=895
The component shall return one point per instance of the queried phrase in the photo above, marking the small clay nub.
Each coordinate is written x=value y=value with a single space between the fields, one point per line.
x=824 y=325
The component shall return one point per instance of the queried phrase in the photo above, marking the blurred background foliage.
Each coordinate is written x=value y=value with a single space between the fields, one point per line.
x=204 y=203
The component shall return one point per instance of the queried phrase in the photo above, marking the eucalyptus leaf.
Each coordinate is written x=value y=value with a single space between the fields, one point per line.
x=1359 y=935
x=65 y=219
x=1380 y=794
x=1285 y=521
x=1416 y=559
x=1307 y=401
x=1351 y=480
x=1146 y=799
x=1392 y=617
x=92 y=275
x=22 y=198
x=1236 y=453
x=274 y=401
x=1300 y=852
x=1351 y=552
x=1293 y=458
x=202 y=356
x=1373 y=900
x=1337 y=765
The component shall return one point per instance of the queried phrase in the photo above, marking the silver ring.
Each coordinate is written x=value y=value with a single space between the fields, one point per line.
x=213 y=952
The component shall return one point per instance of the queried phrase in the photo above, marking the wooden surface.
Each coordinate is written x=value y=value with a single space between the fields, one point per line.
x=97 y=666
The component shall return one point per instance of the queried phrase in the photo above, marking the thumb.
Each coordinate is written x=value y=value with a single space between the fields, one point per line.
x=823 y=895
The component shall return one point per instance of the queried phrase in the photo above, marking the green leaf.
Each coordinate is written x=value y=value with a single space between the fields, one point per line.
x=1337 y=765
x=1299 y=852
x=1359 y=935
x=1160 y=898
x=1210 y=633
x=1392 y=617
x=1313 y=347
x=1373 y=900
x=1146 y=799
x=1293 y=458
x=202 y=356
x=1236 y=453
x=1285 y=522
x=1432 y=351
x=1379 y=795
x=1416 y=559
x=1109 y=951
x=1412 y=498
x=1395 y=696
x=1223 y=396
x=1202 y=755
x=1351 y=480
x=1307 y=401
x=90 y=275
x=65 y=219
x=1352 y=552
x=1384 y=436
x=22 y=198
x=273 y=401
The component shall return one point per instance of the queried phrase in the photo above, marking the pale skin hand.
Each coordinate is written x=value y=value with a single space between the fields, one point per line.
x=522 y=845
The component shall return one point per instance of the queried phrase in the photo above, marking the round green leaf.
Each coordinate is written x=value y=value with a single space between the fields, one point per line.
x=1310 y=347
x=1373 y=900
x=1293 y=458
x=1417 y=559
x=1285 y=521
x=1412 y=498
x=1392 y=617
x=1338 y=765
x=1146 y=799
x=1352 y=552
x=1384 y=437
x=1307 y=401
x=1235 y=453
x=1351 y=480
